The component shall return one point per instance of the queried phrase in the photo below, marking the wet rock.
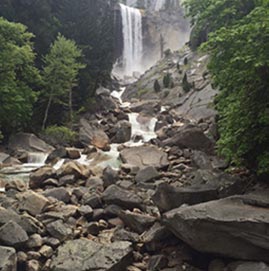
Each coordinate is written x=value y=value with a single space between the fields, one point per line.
x=12 y=234
x=3 y=157
x=248 y=266
x=28 y=142
x=74 y=168
x=110 y=176
x=102 y=91
x=232 y=227
x=121 y=197
x=168 y=197
x=89 y=134
x=59 y=230
x=59 y=152
x=144 y=156
x=146 y=174
x=32 y=202
x=85 y=255
x=73 y=153
x=137 y=222
x=60 y=194
x=123 y=132
x=8 y=259
x=192 y=137
x=149 y=107
x=38 y=177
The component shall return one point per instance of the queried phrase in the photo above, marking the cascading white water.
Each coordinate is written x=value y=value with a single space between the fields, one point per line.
x=132 y=39
x=159 y=4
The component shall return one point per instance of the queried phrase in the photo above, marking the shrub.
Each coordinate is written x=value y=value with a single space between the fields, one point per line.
x=157 y=87
x=59 y=135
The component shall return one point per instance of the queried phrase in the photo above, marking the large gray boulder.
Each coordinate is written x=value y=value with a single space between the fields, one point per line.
x=24 y=142
x=123 y=132
x=8 y=259
x=144 y=156
x=235 y=227
x=192 y=137
x=84 y=255
x=90 y=134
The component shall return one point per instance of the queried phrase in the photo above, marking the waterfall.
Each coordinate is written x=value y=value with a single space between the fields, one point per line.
x=132 y=39
x=159 y=4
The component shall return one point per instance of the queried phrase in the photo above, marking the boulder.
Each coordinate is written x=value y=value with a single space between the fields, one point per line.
x=149 y=107
x=7 y=215
x=73 y=153
x=12 y=234
x=144 y=156
x=8 y=259
x=3 y=157
x=89 y=134
x=121 y=197
x=123 y=132
x=234 y=227
x=24 y=142
x=146 y=174
x=191 y=137
x=59 y=152
x=86 y=255
x=168 y=197
x=58 y=193
x=32 y=202
x=59 y=230
x=110 y=176
x=137 y=222
x=74 y=168
x=102 y=91
x=248 y=266
x=38 y=177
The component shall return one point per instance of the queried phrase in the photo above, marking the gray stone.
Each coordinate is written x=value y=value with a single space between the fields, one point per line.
x=12 y=234
x=146 y=174
x=137 y=222
x=59 y=230
x=8 y=259
x=58 y=193
x=7 y=215
x=38 y=177
x=248 y=266
x=86 y=255
x=3 y=157
x=192 y=137
x=32 y=202
x=234 y=227
x=35 y=241
x=123 y=132
x=28 y=142
x=121 y=197
x=144 y=156
x=168 y=197
x=110 y=176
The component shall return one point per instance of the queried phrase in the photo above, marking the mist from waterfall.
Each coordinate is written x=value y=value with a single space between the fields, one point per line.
x=159 y=4
x=132 y=39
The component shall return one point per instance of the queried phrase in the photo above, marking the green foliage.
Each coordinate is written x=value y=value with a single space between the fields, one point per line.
x=240 y=69
x=60 y=74
x=185 y=61
x=168 y=80
x=59 y=135
x=157 y=87
x=17 y=76
x=185 y=84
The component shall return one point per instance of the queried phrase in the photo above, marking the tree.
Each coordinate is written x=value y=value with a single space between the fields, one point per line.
x=239 y=64
x=60 y=75
x=17 y=76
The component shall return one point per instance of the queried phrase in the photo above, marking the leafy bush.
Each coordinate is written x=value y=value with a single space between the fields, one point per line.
x=185 y=84
x=59 y=135
x=157 y=87
x=168 y=81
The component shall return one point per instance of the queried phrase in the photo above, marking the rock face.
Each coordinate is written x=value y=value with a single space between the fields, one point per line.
x=192 y=137
x=143 y=156
x=89 y=134
x=28 y=142
x=86 y=255
x=234 y=227
x=8 y=259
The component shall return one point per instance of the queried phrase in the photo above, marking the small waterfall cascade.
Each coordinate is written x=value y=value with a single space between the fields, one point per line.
x=132 y=39
x=37 y=158
x=159 y=4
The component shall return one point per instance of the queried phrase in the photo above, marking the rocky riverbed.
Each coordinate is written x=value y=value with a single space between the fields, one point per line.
x=128 y=201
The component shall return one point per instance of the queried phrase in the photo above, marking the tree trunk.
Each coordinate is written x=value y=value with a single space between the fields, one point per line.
x=70 y=109
x=46 y=113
